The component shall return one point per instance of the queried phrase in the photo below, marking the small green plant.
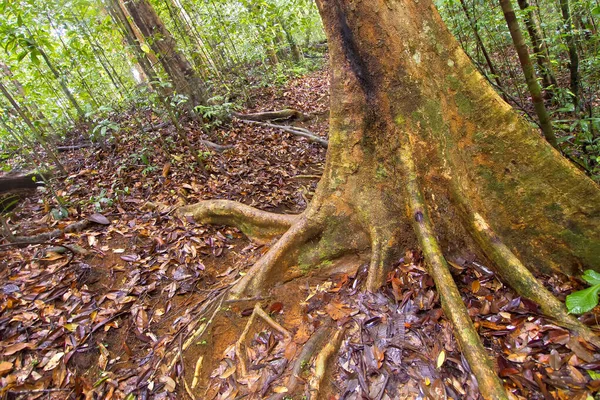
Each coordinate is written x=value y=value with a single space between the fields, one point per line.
x=584 y=300
x=216 y=112
x=103 y=129
x=204 y=156
x=101 y=201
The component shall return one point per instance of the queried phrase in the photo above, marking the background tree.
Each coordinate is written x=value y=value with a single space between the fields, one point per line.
x=184 y=78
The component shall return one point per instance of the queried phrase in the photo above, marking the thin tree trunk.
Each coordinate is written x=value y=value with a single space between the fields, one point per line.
x=480 y=44
x=294 y=48
x=38 y=135
x=573 y=56
x=62 y=83
x=539 y=47
x=529 y=72
x=37 y=113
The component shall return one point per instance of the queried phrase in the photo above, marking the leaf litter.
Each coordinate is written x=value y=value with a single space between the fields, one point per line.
x=99 y=323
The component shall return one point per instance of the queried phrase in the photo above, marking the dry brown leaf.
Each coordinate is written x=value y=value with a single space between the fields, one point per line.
x=337 y=311
x=5 y=367
x=54 y=361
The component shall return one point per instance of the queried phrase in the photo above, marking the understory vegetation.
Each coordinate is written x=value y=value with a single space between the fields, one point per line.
x=185 y=212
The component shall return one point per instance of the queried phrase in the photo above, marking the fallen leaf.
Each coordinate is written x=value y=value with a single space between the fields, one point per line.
x=54 y=361
x=440 y=359
x=15 y=348
x=5 y=367
x=99 y=219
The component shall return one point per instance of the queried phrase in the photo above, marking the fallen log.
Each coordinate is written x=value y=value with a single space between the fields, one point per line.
x=63 y=149
x=274 y=115
x=21 y=182
x=216 y=147
x=305 y=133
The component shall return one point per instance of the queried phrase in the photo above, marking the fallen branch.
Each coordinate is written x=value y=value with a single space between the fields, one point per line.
x=46 y=236
x=152 y=128
x=216 y=147
x=305 y=133
x=63 y=149
x=273 y=115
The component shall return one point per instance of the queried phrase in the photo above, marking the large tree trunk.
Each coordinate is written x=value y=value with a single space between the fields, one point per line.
x=184 y=78
x=423 y=152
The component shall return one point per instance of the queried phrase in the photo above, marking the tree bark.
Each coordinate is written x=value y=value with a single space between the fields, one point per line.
x=121 y=20
x=184 y=78
x=423 y=152
x=532 y=84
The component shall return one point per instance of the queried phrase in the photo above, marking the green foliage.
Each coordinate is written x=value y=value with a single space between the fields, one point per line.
x=216 y=112
x=578 y=129
x=585 y=300
x=59 y=52
x=103 y=130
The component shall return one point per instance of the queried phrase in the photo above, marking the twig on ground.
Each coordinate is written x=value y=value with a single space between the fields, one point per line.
x=258 y=312
x=308 y=350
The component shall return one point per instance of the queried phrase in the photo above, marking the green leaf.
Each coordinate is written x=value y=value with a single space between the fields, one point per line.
x=592 y=277
x=583 y=301
x=145 y=48
x=593 y=374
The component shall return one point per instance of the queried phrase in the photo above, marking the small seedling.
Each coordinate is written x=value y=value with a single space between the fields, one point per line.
x=585 y=300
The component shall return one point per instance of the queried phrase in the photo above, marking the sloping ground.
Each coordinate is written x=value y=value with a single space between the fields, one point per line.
x=115 y=313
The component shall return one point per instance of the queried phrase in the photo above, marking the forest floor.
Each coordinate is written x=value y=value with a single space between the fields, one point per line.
x=113 y=314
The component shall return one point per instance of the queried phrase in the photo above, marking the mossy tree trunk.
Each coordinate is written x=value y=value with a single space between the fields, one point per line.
x=184 y=78
x=424 y=153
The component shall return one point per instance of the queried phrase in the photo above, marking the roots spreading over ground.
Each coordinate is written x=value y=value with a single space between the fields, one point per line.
x=329 y=228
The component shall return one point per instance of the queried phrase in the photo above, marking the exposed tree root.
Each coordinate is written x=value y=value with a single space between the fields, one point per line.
x=273 y=115
x=517 y=276
x=210 y=307
x=308 y=351
x=294 y=130
x=258 y=312
x=253 y=282
x=320 y=367
x=490 y=385
x=256 y=224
